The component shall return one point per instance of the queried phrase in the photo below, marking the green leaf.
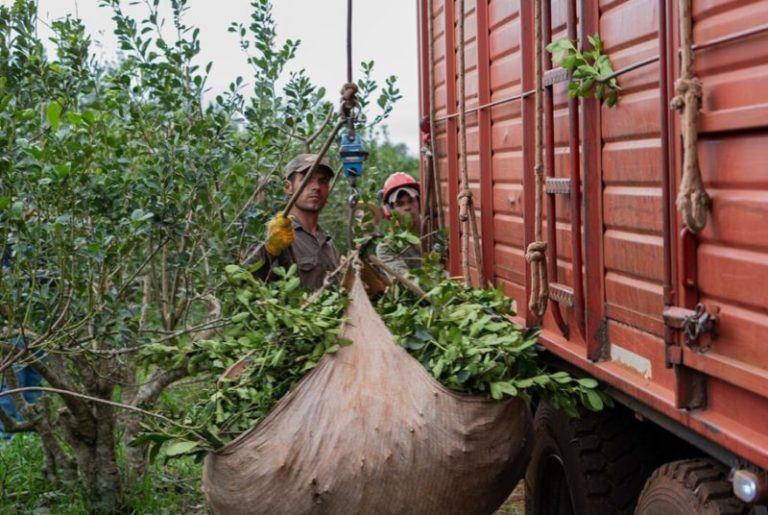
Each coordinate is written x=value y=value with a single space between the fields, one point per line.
x=570 y=62
x=613 y=98
x=414 y=344
x=53 y=113
x=17 y=209
x=496 y=392
x=587 y=382
x=599 y=91
x=596 y=42
x=179 y=447
x=593 y=400
x=508 y=388
x=586 y=86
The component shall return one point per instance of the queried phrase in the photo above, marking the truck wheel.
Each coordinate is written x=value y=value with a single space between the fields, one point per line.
x=596 y=464
x=689 y=486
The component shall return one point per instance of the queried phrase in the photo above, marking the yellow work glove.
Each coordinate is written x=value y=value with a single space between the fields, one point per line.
x=280 y=234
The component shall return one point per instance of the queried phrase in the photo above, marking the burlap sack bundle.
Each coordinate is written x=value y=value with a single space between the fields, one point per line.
x=369 y=431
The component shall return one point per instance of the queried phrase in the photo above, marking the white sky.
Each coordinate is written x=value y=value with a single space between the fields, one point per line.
x=383 y=31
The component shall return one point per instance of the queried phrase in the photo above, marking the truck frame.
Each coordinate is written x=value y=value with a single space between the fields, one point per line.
x=671 y=321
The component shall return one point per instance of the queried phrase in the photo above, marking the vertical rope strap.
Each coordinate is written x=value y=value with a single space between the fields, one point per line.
x=433 y=172
x=692 y=198
x=536 y=253
x=466 y=206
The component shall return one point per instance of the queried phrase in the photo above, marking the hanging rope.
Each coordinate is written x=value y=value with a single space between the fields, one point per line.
x=466 y=206
x=348 y=105
x=692 y=198
x=536 y=253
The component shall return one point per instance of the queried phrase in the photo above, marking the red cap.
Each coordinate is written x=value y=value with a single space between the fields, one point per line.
x=396 y=181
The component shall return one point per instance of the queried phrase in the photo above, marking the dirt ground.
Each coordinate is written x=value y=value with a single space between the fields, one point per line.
x=515 y=505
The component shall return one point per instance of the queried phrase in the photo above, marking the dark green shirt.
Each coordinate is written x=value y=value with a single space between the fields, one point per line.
x=315 y=257
x=401 y=262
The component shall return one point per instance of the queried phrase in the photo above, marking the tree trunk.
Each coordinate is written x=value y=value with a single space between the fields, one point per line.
x=97 y=460
x=135 y=460
x=55 y=460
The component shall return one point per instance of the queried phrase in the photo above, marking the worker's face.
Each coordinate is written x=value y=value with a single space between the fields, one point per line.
x=407 y=207
x=315 y=194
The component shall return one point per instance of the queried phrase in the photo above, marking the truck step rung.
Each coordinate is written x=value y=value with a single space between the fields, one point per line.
x=561 y=294
x=554 y=76
x=557 y=186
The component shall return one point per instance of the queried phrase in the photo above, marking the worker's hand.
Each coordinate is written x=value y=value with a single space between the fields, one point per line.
x=280 y=234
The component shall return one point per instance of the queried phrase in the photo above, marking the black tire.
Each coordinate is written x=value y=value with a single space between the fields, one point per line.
x=593 y=465
x=689 y=486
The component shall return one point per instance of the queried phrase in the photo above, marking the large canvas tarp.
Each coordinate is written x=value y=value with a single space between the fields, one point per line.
x=369 y=431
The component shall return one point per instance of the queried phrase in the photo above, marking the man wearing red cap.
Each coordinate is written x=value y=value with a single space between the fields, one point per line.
x=299 y=238
x=400 y=195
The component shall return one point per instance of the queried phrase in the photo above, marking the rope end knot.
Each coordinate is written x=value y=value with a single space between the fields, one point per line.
x=465 y=201
x=536 y=252
x=685 y=88
x=349 y=96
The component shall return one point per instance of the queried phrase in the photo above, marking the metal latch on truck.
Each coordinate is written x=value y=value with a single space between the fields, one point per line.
x=698 y=325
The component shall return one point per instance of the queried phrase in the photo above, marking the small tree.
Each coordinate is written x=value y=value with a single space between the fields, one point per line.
x=122 y=197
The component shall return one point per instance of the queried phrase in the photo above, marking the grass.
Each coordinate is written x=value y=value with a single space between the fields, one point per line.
x=167 y=489
x=515 y=504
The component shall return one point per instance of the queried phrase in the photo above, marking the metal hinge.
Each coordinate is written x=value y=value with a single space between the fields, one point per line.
x=699 y=326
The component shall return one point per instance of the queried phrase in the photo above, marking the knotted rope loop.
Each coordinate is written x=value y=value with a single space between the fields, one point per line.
x=685 y=88
x=348 y=98
x=692 y=198
x=536 y=255
x=465 y=201
x=536 y=252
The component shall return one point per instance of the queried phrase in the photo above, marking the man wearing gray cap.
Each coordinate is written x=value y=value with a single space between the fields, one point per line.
x=299 y=239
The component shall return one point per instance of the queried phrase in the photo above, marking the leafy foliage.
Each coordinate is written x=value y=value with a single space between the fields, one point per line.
x=590 y=69
x=275 y=335
x=123 y=195
x=464 y=338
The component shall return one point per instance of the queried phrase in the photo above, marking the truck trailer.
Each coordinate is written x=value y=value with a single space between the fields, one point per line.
x=669 y=316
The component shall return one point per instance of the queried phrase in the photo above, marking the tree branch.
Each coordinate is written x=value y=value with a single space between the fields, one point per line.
x=67 y=393
x=12 y=426
x=161 y=379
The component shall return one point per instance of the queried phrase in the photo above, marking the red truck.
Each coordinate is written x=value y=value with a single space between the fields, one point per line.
x=672 y=320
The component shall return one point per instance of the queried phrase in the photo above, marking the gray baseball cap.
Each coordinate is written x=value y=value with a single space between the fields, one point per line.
x=304 y=162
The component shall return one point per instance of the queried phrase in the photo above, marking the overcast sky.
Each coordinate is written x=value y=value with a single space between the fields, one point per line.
x=383 y=31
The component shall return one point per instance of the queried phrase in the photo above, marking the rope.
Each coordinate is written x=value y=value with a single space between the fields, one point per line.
x=692 y=198
x=349 y=40
x=536 y=253
x=466 y=207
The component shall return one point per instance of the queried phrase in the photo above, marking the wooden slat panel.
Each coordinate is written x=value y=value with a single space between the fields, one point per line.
x=735 y=275
x=632 y=208
x=501 y=11
x=505 y=39
x=745 y=156
x=628 y=24
x=508 y=198
x=739 y=217
x=634 y=254
x=632 y=162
